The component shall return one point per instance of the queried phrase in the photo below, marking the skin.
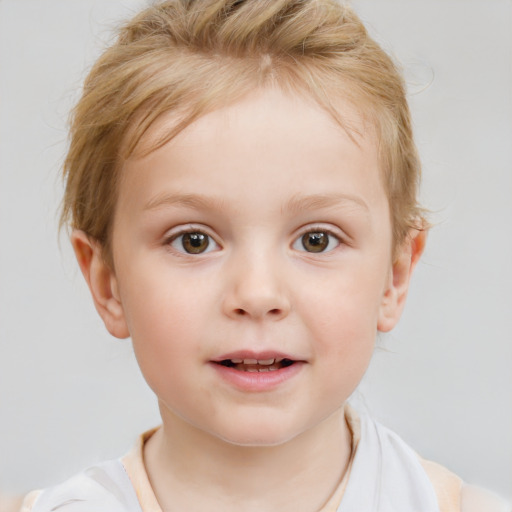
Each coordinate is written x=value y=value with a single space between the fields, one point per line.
x=255 y=177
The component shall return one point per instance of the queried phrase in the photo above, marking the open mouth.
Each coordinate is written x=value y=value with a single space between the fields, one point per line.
x=257 y=365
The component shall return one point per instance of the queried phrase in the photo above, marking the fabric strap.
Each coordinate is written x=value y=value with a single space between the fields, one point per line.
x=386 y=475
x=102 y=488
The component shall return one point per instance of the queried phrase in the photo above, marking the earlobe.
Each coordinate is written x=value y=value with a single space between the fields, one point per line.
x=400 y=276
x=102 y=283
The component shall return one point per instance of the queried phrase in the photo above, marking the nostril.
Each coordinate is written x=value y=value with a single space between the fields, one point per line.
x=240 y=312
x=275 y=312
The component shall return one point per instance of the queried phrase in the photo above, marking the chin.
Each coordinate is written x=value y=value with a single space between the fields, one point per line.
x=257 y=435
x=252 y=441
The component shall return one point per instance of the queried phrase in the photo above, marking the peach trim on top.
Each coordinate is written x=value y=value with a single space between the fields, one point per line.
x=447 y=485
x=354 y=427
x=133 y=463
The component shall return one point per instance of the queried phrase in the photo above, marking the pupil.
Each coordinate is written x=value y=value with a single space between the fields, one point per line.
x=195 y=243
x=315 y=242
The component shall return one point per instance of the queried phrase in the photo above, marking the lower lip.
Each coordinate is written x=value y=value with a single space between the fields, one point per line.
x=258 y=381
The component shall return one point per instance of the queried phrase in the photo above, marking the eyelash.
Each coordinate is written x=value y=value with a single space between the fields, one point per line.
x=177 y=241
x=298 y=243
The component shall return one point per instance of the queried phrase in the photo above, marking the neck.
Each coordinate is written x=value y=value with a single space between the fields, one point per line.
x=189 y=469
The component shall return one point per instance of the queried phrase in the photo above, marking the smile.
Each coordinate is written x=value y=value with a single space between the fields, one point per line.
x=257 y=365
x=250 y=371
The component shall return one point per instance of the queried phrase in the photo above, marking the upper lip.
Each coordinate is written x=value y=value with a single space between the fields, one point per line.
x=256 y=355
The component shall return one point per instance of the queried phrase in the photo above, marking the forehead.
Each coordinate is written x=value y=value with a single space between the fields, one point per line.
x=270 y=137
x=348 y=111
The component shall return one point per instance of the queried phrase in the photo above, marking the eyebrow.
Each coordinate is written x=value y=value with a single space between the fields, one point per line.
x=299 y=203
x=193 y=201
x=295 y=205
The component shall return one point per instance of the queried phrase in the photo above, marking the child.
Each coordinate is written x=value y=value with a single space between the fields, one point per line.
x=242 y=185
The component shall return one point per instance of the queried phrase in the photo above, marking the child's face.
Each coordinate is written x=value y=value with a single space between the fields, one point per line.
x=261 y=232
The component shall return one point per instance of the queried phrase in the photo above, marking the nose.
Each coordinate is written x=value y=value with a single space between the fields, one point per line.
x=256 y=290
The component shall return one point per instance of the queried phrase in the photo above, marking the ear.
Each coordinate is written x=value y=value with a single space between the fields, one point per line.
x=102 y=283
x=400 y=276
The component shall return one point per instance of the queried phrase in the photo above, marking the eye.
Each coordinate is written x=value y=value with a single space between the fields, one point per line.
x=193 y=242
x=317 y=241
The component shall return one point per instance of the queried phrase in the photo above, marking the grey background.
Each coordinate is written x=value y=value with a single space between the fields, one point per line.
x=70 y=395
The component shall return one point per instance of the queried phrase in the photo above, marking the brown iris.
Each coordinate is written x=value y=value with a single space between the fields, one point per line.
x=316 y=241
x=195 y=243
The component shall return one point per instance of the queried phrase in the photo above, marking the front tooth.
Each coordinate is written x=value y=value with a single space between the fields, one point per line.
x=263 y=370
x=237 y=361
x=265 y=362
x=250 y=361
x=251 y=370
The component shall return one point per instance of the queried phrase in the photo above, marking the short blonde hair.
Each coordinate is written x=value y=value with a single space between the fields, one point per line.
x=193 y=56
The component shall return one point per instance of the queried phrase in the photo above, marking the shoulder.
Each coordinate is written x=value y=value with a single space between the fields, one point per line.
x=475 y=499
x=30 y=499
x=454 y=495
x=10 y=502
x=447 y=485
x=106 y=487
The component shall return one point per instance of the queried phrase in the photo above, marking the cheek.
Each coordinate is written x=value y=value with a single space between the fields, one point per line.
x=341 y=316
x=345 y=342
x=345 y=303
x=160 y=300
x=165 y=318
